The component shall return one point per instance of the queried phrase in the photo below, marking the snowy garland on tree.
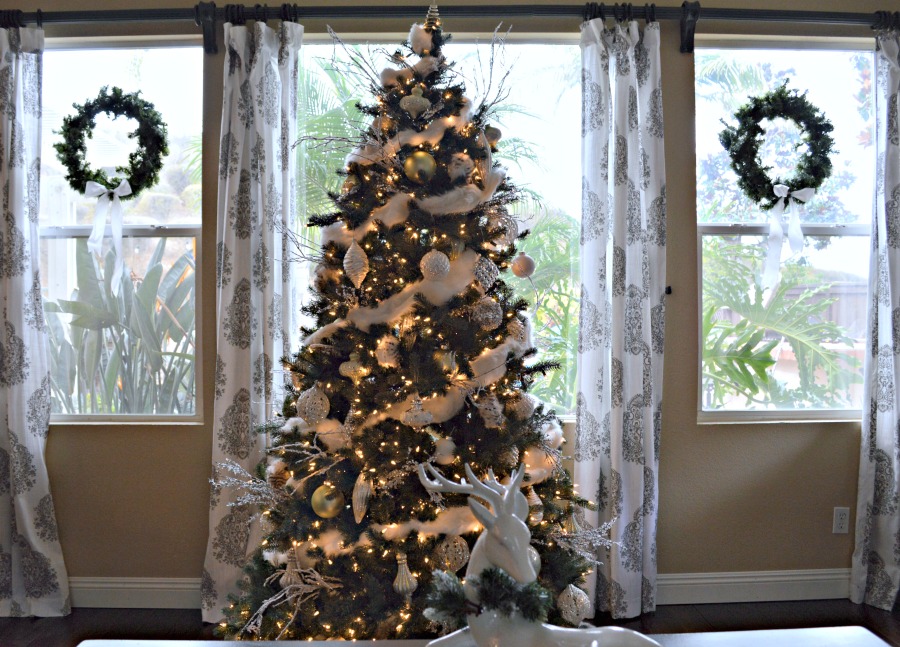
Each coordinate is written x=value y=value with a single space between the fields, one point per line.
x=420 y=353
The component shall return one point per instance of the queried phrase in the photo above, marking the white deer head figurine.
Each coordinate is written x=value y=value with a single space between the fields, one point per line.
x=504 y=545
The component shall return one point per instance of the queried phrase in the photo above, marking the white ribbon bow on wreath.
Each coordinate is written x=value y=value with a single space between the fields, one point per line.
x=109 y=201
x=772 y=267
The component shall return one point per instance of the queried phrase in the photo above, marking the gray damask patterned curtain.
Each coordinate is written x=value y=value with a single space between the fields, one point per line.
x=32 y=573
x=623 y=267
x=256 y=213
x=876 y=559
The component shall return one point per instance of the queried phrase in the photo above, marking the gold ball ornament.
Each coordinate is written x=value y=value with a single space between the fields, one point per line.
x=523 y=265
x=327 y=501
x=435 y=266
x=452 y=553
x=420 y=167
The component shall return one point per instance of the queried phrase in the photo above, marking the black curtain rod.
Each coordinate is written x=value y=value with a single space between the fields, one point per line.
x=206 y=15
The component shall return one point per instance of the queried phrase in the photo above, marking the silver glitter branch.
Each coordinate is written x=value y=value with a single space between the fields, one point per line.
x=256 y=492
x=586 y=541
x=311 y=584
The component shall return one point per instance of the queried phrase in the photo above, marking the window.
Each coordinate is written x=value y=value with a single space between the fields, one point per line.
x=794 y=350
x=540 y=148
x=132 y=353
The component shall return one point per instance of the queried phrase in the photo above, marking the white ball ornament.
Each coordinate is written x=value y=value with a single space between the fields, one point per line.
x=574 y=605
x=387 y=352
x=535 y=558
x=313 y=405
x=444 y=451
x=435 y=266
x=523 y=265
x=522 y=407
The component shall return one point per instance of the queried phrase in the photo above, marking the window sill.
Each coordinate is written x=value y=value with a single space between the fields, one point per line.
x=60 y=420
x=711 y=418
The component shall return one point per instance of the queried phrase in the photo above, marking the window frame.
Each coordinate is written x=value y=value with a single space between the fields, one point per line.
x=195 y=231
x=783 y=416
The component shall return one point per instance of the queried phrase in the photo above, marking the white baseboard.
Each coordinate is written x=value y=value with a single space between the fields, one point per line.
x=135 y=592
x=753 y=586
x=672 y=588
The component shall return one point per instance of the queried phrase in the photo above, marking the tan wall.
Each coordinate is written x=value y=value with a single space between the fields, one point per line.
x=131 y=500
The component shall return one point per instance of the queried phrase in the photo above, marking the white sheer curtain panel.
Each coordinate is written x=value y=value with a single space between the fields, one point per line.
x=876 y=559
x=620 y=346
x=33 y=578
x=256 y=213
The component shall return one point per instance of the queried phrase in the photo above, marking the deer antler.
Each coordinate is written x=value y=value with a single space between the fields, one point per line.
x=474 y=487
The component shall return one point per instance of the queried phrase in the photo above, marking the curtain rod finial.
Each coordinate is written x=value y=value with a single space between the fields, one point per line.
x=690 y=14
x=205 y=18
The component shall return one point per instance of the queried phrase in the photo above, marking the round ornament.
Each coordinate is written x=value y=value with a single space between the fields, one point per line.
x=444 y=451
x=487 y=313
x=313 y=405
x=517 y=330
x=523 y=265
x=486 y=272
x=144 y=164
x=420 y=167
x=327 y=501
x=356 y=264
x=353 y=368
x=452 y=553
x=509 y=457
x=435 y=266
x=744 y=140
x=574 y=605
x=416 y=416
x=414 y=103
x=535 y=558
x=387 y=352
x=522 y=407
x=511 y=227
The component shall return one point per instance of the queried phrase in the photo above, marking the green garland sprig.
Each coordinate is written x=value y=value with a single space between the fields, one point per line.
x=496 y=591
x=743 y=141
x=144 y=163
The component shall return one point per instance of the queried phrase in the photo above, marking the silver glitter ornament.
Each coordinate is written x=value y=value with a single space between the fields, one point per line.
x=491 y=411
x=362 y=492
x=486 y=272
x=574 y=605
x=387 y=352
x=523 y=265
x=416 y=415
x=356 y=264
x=522 y=407
x=313 y=405
x=509 y=457
x=405 y=583
x=435 y=266
x=452 y=553
x=487 y=313
x=517 y=330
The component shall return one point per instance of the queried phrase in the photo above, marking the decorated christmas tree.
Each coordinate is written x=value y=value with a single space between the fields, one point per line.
x=420 y=353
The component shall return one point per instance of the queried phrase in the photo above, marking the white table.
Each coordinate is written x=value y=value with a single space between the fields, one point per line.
x=819 y=637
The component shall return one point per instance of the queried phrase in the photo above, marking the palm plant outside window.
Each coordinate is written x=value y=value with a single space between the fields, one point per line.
x=133 y=352
x=793 y=350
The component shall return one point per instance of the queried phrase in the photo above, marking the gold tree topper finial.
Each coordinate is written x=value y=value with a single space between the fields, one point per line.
x=432 y=18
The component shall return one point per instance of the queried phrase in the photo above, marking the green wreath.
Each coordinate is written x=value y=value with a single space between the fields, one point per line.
x=143 y=164
x=743 y=142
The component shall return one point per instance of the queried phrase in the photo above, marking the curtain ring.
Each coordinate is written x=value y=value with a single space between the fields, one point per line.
x=285 y=12
x=629 y=15
x=650 y=12
x=260 y=9
x=40 y=19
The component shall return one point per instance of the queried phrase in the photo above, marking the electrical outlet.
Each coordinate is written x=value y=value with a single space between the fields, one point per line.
x=841 y=523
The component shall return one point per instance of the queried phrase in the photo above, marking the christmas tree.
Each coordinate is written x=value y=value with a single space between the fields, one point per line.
x=420 y=353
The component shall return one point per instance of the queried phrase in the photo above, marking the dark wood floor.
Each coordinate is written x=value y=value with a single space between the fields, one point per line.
x=185 y=624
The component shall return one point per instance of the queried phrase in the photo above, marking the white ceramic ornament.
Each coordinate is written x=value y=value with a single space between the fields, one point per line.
x=414 y=103
x=444 y=451
x=387 y=352
x=452 y=553
x=486 y=272
x=313 y=405
x=435 y=266
x=535 y=558
x=487 y=313
x=491 y=411
x=356 y=264
x=362 y=492
x=416 y=416
x=574 y=605
x=523 y=265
